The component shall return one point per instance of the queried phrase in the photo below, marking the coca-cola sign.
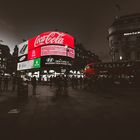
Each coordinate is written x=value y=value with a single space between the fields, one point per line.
x=49 y=38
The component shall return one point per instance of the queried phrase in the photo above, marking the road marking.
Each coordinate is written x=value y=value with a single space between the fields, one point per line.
x=14 y=111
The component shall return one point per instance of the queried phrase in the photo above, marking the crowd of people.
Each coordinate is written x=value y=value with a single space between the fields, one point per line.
x=4 y=83
x=74 y=82
x=60 y=83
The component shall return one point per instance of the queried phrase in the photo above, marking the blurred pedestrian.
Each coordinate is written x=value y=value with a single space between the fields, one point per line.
x=51 y=81
x=6 y=81
x=72 y=81
x=64 y=85
x=59 y=85
x=14 y=82
x=34 y=84
x=81 y=82
x=0 y=84
x=19 y=88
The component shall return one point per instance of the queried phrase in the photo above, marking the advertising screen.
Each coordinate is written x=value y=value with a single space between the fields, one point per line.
x=47 y=44
x=48 y=38
x=29 y=64
x=23 y=48
x=57 y=50
x=22 y=58
x=45 y=61
x=35 y=53
x=37 y=62
x=25 y=65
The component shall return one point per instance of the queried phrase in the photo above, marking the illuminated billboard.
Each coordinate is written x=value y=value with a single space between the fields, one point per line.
x=57 y=50
x=23 y=48
x=45 y=61
x=29 y=64
x=37 y=63
x=22 y=58
x=57 y=45
x=25 y=65
x=35 y=53
x=51 y=38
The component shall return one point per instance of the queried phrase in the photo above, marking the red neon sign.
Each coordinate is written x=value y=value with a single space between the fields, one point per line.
x=48 y=38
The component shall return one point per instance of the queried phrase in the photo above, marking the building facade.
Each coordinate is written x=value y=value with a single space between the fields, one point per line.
x=53 y=50
x=5 y=59
x=124 y=38
x=83 y=57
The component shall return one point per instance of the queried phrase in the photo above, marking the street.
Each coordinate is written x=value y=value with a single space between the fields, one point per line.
x=113 y=115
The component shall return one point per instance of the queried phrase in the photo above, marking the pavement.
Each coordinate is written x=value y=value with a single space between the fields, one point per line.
x=87 y=115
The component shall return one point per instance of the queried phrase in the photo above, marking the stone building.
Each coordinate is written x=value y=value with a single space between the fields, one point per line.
x=5 y=59
x=124 y=38
x=83 y=57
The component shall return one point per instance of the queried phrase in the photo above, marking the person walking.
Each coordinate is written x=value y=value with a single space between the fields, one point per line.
x=58 y=83
x=65 y=85
x=6 y=81
x=19 y=88
x=33 y=82
x=51 y=81
x=14 y=82
x=0 y=84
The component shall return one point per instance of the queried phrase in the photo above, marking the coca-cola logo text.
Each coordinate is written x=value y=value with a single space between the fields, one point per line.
x=51 y=38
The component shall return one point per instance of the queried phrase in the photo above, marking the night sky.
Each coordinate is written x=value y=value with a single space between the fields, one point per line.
x=87 y=20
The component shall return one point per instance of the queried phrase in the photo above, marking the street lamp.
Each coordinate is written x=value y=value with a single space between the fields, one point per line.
x=120 y=57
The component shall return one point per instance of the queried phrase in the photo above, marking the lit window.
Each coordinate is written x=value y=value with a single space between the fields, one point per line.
x=3 y=59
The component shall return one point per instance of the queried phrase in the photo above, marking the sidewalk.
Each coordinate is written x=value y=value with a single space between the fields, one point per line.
x=81 y=115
